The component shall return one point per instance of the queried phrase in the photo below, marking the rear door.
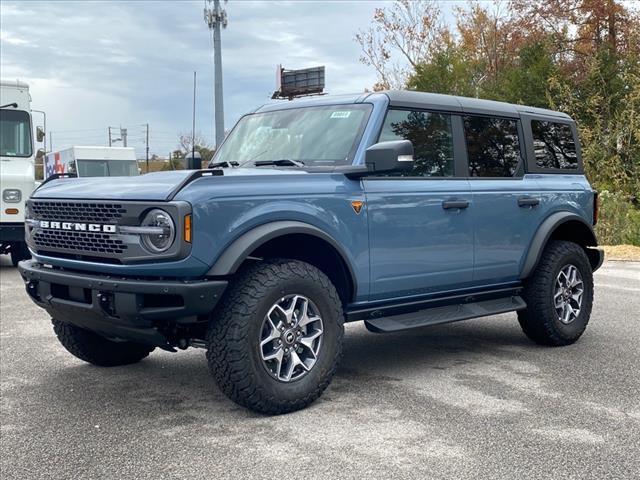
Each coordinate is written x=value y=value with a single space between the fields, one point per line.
x=553 y=153
x=506 y=202
x=420 y=230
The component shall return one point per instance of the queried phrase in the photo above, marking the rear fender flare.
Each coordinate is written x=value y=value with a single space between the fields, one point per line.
x=544 y=233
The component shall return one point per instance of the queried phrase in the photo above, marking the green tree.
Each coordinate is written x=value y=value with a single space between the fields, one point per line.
x=577 y=56
x=447 y=72
x=527 y=80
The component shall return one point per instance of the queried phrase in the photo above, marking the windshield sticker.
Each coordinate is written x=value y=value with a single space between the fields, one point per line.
x=340 y=114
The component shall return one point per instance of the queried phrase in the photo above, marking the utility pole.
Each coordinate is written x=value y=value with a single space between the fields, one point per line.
x=193 y=126
x=147 y=145
x=109 y=136
x=123 y=136
x=216 y=19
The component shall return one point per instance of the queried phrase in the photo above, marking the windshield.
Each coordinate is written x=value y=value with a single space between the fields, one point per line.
x=107 y=168
x=15 y=133
x=315 y=136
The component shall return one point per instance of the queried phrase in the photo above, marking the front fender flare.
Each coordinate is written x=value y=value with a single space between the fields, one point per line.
x=237 y=252
x=543 y=234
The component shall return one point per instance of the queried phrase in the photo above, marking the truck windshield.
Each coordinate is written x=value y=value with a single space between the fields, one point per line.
x=315 y=136
x=15 y=133
x=107 y=168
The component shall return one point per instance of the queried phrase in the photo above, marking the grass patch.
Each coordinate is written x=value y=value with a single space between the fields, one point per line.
x=622 y=252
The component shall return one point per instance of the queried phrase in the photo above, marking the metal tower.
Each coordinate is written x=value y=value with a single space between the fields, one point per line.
x=216 y=19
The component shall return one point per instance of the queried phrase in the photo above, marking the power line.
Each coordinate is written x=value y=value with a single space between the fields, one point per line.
x=78 y=130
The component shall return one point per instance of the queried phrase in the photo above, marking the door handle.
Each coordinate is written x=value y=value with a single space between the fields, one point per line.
x=448 y=204
x=527 y=201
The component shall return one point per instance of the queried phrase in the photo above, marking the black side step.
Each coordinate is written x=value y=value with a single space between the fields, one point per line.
x=445 y=314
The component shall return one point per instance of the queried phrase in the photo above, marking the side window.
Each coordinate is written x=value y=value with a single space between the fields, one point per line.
x=493 y=146
x=553 y=145
x=431 y=136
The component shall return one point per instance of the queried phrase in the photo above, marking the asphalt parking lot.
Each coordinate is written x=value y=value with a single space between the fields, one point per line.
x=469 y=400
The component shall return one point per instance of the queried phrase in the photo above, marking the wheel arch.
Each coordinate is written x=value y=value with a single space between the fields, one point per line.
x=562 y=226
x=279 y=239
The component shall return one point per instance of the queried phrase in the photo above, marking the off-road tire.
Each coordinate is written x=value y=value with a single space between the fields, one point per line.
x=233 y=337
x=539 y=320
x=98 y=350
x=19 y=252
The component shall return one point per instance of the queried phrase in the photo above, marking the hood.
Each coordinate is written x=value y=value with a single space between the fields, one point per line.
x=159 y=186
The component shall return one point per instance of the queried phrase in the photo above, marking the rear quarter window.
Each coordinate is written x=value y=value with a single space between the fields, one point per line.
x=554 y=146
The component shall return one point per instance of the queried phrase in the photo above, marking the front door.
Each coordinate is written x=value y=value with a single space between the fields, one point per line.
x=420 y=230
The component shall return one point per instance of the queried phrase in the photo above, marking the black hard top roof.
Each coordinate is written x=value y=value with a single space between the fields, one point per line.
x=411 y=99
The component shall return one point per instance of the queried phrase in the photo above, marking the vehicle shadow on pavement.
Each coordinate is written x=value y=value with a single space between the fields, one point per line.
x=178 y=388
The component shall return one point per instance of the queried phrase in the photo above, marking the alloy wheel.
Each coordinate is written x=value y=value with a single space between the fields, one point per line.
x=567 y=298
x=291 y=337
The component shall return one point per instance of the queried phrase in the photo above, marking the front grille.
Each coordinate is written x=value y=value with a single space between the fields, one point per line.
x=76 y=229
x=81 y=242
x=77 y=212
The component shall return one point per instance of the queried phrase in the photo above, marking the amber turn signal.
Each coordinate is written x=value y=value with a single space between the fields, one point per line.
x=187 y=228
x=11 y=211
x=357 y=206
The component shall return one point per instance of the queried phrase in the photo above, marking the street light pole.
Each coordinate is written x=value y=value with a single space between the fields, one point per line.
x=216 y=19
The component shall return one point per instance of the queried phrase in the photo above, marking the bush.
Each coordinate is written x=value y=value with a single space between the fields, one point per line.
x=619 y=220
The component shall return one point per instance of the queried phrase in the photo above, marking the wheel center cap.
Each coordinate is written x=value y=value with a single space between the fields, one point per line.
x=289 y=337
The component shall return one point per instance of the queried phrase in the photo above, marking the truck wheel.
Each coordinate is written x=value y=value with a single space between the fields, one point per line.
x=276 y=339
x=559 y=296
x=19 y=252
x=98 y=350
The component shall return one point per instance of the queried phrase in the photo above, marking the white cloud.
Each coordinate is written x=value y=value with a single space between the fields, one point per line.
x=11 y=40
x=95 y=64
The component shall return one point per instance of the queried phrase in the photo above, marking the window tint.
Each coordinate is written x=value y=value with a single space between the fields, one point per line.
x=316 y=136
x=431 y=136
x=553 y=145
x=15 y=133
x=107 y=168
x=492 y=146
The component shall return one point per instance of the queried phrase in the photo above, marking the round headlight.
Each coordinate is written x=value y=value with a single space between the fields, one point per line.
x=161 y=241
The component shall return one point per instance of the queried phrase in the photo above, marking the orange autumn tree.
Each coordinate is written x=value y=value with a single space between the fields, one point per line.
x=579 y=56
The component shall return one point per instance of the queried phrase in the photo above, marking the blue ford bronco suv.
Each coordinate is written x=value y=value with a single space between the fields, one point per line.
x=399 y=209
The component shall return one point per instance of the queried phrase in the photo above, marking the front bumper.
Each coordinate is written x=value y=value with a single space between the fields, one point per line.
x=123 y=308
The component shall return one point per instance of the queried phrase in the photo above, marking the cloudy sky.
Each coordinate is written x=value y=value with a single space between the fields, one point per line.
x=94 y=64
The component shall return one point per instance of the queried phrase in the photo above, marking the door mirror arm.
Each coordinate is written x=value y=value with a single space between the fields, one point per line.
x=384 y=157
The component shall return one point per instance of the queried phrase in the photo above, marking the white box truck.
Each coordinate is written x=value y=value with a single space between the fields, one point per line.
x=92 y=162
x=17 y=158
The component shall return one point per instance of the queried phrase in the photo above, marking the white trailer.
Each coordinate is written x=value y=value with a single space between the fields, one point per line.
x=17 y=157
x=92 y=162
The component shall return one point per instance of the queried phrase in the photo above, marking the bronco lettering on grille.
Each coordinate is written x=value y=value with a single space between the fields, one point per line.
x=78 y=227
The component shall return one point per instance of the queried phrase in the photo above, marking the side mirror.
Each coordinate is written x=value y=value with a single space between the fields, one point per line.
x=394 y=156
x=193 y=162
x=40 y=134
x=40 y=153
